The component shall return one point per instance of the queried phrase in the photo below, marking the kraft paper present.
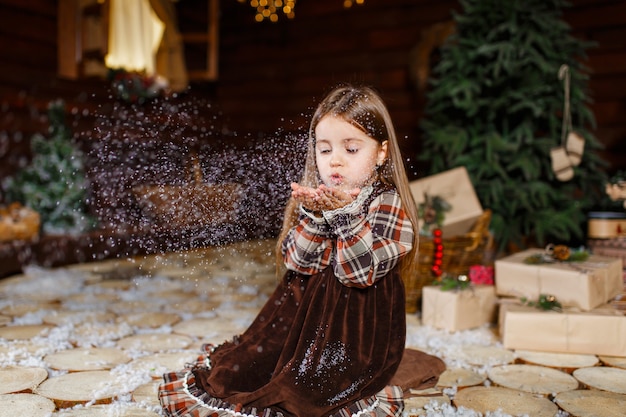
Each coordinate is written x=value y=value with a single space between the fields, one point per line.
x=584 y=285
x=601 y=331
x=458 y=309
x=455 y=187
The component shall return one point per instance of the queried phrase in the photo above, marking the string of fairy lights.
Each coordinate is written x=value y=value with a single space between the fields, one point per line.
x=270 y=9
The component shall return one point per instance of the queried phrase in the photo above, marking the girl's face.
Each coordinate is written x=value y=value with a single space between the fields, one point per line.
x=346 y=157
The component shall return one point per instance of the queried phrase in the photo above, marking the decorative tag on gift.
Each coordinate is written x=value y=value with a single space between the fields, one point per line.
x=481 y=275
x=558 y=253
x=544 y=302
x=456 y=191
x=449 y=282
x=433 y=211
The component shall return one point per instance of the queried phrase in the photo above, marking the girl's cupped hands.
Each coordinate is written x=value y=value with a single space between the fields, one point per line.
x=322 y=198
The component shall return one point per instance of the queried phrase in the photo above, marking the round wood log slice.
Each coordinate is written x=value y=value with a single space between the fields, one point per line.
x=88 y=299
x=592 y=403
x=59 y=318
x=147 y=393
x=108 y=410
x=186 y=272
x=240 y=315
x=75 y=388
x=159 y=363
x=86 y=359
x=414 y=405
x=19 y=309
x=460 y=378
x=154 y=342
x=20 y=378
x=114 y=284
x=31 y=405
x=7 y=284
x=492 y=399
x=20 y=349
x=616 y=361
x=150 y=320
x=194 y=306
x=24 y=332
x=532 y=378
x=209 y=329
x=604 y=378
x=235 y=298
x=94 y=334
x=485 y=355
x=174 y=296
x=564 y=361
x=108 y=267
x=132 y=306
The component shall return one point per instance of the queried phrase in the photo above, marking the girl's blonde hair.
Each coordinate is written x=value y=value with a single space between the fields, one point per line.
x=363 y=108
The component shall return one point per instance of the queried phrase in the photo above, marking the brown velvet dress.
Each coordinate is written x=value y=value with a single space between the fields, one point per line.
x=316 y=346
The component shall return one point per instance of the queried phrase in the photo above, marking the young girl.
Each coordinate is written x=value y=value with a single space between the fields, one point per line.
x=330 y=339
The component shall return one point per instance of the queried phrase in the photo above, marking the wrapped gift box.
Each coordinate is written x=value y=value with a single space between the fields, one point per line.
x=455 y=187
x=601 y=331
x=585 y=285
x=458 y=309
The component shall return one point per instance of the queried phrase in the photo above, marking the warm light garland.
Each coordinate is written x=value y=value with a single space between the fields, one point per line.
x=348 y=3
x=269 y=9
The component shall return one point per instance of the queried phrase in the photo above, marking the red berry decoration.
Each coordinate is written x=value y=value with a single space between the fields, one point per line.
x=438 y=255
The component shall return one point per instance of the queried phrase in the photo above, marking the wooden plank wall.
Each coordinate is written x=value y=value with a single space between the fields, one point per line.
x=270 y=78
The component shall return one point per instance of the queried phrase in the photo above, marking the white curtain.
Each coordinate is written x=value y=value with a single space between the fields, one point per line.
x=135 y=33
x=170 y=58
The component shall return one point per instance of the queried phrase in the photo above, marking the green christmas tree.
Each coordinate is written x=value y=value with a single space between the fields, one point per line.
x=54 y=183
x=496 y=106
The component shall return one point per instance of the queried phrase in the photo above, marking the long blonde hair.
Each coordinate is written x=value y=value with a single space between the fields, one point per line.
x=363 y=108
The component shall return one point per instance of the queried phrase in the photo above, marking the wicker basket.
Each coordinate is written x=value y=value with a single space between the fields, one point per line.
x=459 y=253
x=18 y=223
x=189 y=206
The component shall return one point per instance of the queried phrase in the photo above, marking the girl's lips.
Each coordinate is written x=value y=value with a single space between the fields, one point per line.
x=336 y=178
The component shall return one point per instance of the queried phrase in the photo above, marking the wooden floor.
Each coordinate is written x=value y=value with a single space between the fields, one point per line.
x=94 y=339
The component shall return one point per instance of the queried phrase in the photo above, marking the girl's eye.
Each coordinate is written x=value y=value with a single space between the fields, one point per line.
x=352 y=150
x=322 y=151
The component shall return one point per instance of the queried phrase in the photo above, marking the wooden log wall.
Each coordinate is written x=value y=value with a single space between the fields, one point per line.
x=271 y=75
x=604 y=22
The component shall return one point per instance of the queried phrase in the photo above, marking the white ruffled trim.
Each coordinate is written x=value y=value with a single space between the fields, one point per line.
x=352 y=208
x=228 y=412
x=220 y=410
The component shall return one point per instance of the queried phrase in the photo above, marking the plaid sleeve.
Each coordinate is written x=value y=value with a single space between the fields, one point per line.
x=307 y=248
x=371 y=245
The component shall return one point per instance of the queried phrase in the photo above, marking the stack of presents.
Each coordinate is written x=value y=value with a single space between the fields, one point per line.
x=553 y=299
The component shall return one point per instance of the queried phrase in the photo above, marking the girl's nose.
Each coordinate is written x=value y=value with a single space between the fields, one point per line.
x=335 y=160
